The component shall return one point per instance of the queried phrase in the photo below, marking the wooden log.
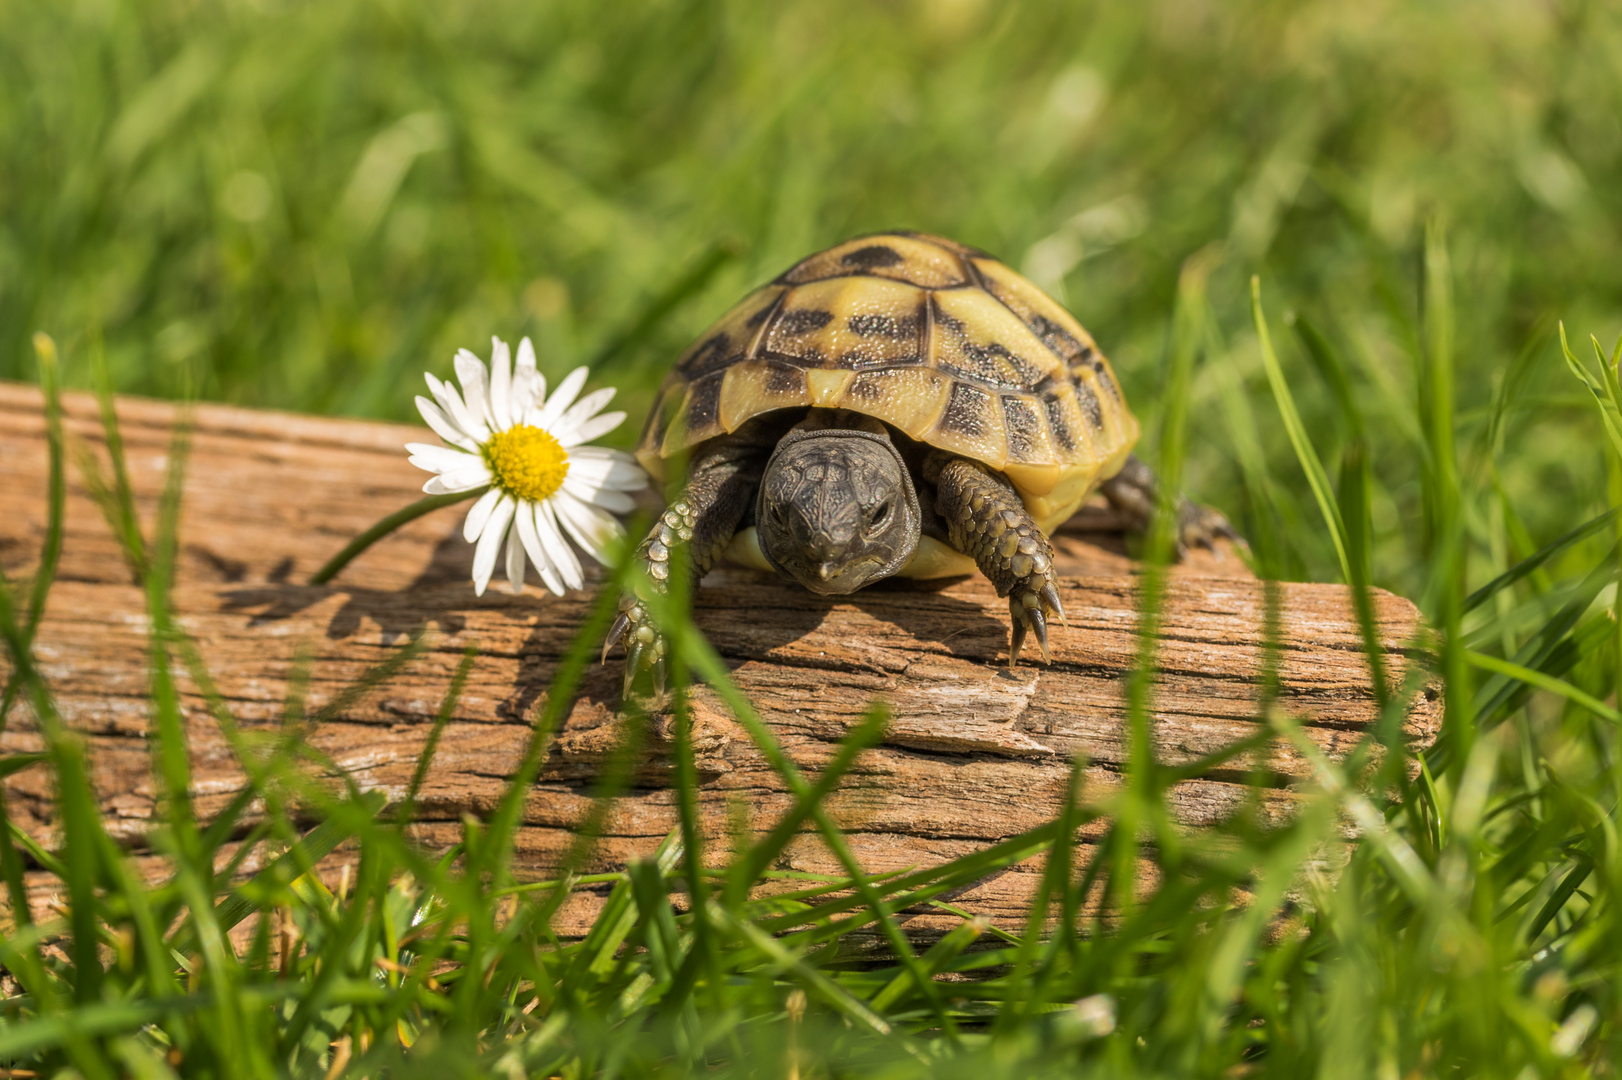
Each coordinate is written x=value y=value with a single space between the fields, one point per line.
x=973 y=754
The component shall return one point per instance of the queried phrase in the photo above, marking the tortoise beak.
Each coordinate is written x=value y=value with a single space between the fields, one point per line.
x=826 y=571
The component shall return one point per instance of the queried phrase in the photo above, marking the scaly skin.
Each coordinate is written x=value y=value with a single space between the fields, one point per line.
x=986 y=521
x=702 y=522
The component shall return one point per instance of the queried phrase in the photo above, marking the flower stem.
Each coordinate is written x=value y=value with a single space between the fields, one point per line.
x=386 y=526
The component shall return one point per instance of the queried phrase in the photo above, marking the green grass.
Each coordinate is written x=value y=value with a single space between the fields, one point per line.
x=306 y=205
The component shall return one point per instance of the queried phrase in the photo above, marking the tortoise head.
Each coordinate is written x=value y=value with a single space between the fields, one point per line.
x=837 y=510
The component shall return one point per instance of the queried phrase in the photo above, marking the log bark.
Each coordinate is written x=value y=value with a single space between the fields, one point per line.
x=973 y=754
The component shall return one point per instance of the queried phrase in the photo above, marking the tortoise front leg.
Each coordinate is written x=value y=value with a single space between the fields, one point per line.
x=986 y=521
x=720 y=485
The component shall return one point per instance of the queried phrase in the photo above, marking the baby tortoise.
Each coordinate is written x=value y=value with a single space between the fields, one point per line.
x=898 y=404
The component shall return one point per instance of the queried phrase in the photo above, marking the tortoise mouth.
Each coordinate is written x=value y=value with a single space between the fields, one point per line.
x=841 y=579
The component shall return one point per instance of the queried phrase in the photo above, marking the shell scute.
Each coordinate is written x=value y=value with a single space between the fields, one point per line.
x=700 y=416
x=938 y=340
x=977 y=338
x=1087 y=396
x=1028 y=439
x=910 y=399
x=916 y=260
x=1066 y=420
x=1055 y=326
x=853 y=323
x=732 y=339
x=972 y=425
x=759 y=386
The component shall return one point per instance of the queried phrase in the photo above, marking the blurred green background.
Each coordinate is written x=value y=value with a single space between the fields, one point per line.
x=305 y=205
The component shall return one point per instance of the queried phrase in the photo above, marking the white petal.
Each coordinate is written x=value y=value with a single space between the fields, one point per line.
x=591 y=528
x=450 y=483
x=537 y=552
x=563 y=556
x=586 y=408
x=442 y=425
x=441 y=459
x=553 y=582
x=475 y=384
x=601 y=467
x=515 y=560
x=527 y=383
x=457 y=410
x=560 y=400
x=479 y=514
x=442 y=395
x=531 y=538
x=617 y=501
x=595 y=428
x=484 y=556
x=500 y=383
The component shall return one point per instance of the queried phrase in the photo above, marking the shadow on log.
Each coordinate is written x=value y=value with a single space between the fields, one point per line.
x=973 y=754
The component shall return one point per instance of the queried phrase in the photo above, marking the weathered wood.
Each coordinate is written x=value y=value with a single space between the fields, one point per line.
x=974 y=753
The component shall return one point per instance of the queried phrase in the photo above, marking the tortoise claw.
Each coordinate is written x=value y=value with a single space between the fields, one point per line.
x=615 y=632
x=633 y=663
x=645 y=653
x=1200 y=526
x=1027 y=616
x=1050 y=602
x=1030 y=606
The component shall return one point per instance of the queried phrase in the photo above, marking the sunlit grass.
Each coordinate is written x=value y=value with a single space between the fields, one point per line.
x=1472 y=926
x=302 y=205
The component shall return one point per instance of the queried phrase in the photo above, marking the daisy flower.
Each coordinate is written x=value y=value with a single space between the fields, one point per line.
x=545 y=487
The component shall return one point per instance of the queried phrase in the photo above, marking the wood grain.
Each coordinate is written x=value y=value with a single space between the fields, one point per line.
x=974 y=753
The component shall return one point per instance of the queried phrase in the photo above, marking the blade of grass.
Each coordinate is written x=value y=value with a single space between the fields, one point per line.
x=1444 y=513
x=118 y=501
x=619 y=916
x=819 y=984
x=76 y=800
x=943 y=952
x=1317 y=479
x=171 y=765
x=44 y=576
x=316 y=845
x=56 y=497
x=1333 y=370
x=1543 y=681
x=865 y=734
x=1532 y=562
x=1551 y=639
x=708 y=665
x=447 y=708
x=1140 y=802
x=1607 y=393
x=705 y=945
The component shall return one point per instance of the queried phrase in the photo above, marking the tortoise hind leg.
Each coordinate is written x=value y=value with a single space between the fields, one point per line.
x=986 y=520
x=721 y=483
x=1133 y=491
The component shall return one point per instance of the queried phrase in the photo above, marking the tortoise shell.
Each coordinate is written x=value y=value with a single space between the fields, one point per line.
x=938 y=340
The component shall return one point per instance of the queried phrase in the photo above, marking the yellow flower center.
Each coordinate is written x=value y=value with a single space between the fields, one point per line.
x=528 y=463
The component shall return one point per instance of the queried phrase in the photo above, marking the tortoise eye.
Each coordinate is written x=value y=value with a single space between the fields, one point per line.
x=880 y=516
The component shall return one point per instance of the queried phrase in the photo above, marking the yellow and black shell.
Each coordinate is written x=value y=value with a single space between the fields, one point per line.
x=938 y=340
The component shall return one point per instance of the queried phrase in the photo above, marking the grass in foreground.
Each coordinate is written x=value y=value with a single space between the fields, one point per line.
x=1472 y=930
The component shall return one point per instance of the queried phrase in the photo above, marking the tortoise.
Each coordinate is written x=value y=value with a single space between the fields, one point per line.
x=899 y=404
